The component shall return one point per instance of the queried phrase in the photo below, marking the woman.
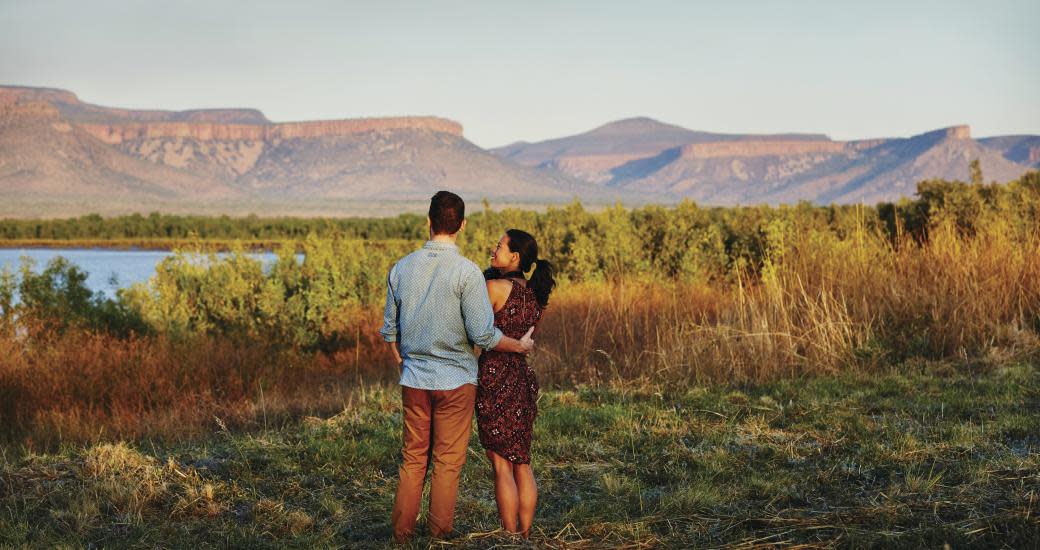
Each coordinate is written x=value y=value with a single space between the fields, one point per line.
x=507 y=390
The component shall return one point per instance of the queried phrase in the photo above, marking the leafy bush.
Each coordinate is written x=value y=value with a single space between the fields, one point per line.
x=311 y=302
x=57 y=299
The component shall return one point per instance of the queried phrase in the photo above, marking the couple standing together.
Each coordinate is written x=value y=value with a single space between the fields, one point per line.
x=439 y=307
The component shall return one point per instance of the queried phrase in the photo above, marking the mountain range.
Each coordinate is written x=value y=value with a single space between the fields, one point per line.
x=647 y=156
x=62 y=156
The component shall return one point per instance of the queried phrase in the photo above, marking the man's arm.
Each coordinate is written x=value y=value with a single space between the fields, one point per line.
x=477 y=315
x=479 y=318
x=524 y=345
x=389 y=330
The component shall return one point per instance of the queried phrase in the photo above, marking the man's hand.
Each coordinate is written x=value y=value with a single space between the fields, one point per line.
x=395 y=350
x=526 y=341
x=511 y=345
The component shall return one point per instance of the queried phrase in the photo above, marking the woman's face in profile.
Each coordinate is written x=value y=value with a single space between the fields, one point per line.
x=501 y=257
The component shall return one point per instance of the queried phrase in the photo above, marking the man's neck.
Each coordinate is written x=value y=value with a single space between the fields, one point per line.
x=449 y=239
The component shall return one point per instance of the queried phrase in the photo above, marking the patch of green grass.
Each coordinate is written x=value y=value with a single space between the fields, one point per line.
x=922 y=457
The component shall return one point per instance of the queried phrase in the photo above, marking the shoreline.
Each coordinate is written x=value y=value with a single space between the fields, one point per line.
x=216 y=245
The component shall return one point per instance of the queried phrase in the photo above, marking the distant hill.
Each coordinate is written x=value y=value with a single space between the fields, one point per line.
x=647 y=156
x=45 y=159
x=1020 y=149
x=60 y=156
x=593 y=154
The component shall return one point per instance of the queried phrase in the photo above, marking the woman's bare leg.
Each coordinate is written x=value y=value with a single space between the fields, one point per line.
x=527 y=495
x=506 y=494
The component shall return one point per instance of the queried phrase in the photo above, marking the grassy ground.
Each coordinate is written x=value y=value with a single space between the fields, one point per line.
x=929 y=455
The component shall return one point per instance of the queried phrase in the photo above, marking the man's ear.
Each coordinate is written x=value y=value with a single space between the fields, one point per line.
x=463 y=226
x=429 y=224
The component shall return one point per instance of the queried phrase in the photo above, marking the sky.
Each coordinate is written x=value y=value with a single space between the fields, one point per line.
x=533 y=70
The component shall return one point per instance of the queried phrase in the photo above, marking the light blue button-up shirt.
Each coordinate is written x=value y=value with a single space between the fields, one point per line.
x=437 y=308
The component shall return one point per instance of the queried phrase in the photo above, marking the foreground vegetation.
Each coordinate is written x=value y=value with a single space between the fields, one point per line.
x=646 y=297
x=751 y=376
x=939 y=453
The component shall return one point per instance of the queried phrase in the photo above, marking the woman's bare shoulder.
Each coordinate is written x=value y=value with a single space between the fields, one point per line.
x=498 y=287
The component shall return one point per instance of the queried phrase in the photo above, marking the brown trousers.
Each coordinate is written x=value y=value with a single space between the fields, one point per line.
x=437 y=426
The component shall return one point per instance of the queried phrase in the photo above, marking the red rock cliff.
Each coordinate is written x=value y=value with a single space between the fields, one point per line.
x=76 y=111
x=205 y=131
x=760 y=148
x=14 y=94
x=36 y=109
x=1034 y=155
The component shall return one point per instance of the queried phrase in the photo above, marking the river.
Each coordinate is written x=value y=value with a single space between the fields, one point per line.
x=108 y=270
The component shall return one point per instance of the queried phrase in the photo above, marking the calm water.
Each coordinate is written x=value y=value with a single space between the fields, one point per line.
x=108 y=269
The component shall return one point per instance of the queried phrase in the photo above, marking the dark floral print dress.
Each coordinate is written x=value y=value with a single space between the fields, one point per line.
x=507 y=390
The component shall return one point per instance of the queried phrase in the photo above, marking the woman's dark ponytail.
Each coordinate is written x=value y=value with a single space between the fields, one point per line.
x=542 y=281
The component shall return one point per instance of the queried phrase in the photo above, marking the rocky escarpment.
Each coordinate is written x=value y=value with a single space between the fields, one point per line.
x=215 y=143
x=1032 y=155
x=623 y=140
x=799 y=150
x=20 y=94
x=45 y=160
x=61 y=156
x=11 y=111
x=231 y=150
x=646 y=156
x=204 y=131
x=114 y=125
x=827 y=171
x=594 y=168
x=1020 y=149
x=962 y=131
x=760 y=148
x=73 y=110
x=615 y=168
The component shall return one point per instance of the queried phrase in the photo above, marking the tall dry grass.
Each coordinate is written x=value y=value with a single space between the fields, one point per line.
x=822 y=305
x=87 y=386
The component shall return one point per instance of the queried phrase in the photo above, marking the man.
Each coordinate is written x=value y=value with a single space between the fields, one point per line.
x=437 y=308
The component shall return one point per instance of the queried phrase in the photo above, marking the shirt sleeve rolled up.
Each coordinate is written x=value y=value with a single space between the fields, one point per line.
x=389 y=330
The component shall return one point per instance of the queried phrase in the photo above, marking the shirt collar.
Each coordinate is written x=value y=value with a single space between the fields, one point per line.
x=435 y=245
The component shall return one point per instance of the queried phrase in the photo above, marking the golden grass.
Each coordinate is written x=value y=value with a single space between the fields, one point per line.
x=84 y=386
x=821 y=305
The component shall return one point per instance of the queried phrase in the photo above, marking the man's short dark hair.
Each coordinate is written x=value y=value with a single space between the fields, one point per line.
x=447 y=210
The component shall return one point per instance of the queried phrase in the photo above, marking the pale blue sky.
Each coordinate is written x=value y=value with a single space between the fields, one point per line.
x=534 y=70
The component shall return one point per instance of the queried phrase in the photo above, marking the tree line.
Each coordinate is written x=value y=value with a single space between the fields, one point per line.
x=317 y=301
